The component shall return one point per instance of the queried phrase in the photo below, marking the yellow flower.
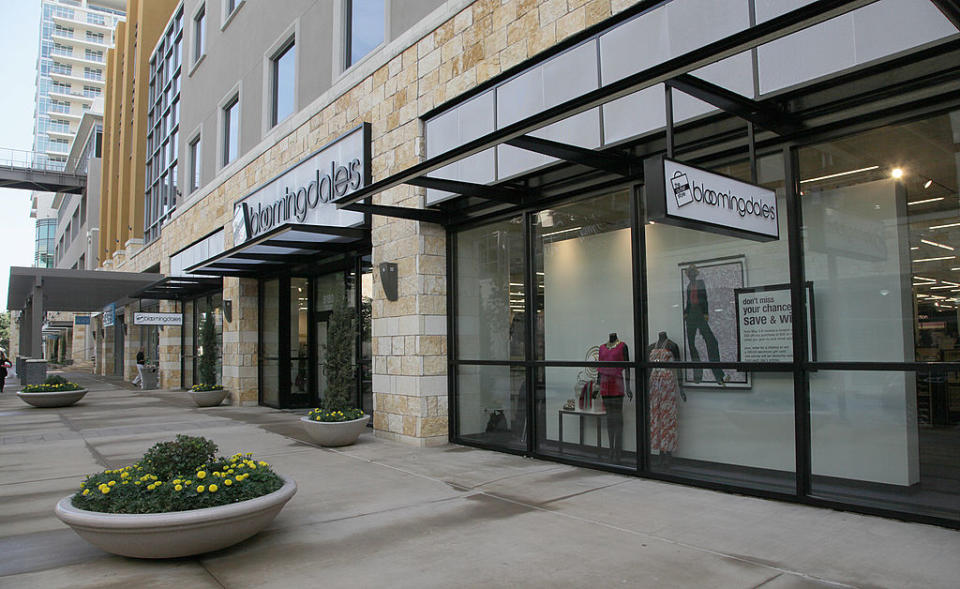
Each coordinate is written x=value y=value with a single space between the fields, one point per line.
x=201 y=474
x=228 y=482
x=138 y=483
x=177 y=481
x=112 y=483
x=178 y=488
x=262 y=463
x=200 y=489
x=105 y=490
x=188 y=483
x=86 y=492
x=213 y=488
x=124 y=474
x=125 y=482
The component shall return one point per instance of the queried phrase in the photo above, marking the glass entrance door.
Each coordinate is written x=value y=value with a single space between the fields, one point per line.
x=327 y=289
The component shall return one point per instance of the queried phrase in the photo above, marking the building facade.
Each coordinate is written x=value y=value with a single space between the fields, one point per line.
x=709 y=243
x=74 y=38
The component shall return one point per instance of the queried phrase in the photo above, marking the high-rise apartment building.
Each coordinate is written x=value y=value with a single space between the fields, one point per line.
x=74 y=38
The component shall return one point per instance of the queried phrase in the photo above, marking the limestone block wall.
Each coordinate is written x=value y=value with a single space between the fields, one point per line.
x=240 y=341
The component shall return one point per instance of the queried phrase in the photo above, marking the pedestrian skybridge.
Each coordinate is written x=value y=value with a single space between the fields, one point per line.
x=28 y=170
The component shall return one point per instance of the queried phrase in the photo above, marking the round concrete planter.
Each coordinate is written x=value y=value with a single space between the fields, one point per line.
x=334 y=433
x=208 y=398
x=52 y=399
x=177 y=533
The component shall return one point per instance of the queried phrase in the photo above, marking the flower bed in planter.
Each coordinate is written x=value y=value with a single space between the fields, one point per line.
x=55 y=392
x=206 y=395
x=179 y=500
x=334 y=428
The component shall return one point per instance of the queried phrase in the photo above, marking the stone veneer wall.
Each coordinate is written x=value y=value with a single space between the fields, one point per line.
x=409 y=335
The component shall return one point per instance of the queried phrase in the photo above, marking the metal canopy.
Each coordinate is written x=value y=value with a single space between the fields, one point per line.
x=674 y=69
x=286 y=245
x=177 y=288
x=73 y=290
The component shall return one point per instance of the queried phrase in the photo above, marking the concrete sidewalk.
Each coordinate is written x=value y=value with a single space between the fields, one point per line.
x=383 y=514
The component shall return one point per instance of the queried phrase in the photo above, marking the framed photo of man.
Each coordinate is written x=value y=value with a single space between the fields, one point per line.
x=709 y=312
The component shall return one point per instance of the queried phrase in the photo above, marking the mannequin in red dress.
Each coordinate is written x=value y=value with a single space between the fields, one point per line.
x=614 y=382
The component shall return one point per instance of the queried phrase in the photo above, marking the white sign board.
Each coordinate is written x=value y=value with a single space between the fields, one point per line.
x=158 y=319
x=695 y=198
x=305 y=193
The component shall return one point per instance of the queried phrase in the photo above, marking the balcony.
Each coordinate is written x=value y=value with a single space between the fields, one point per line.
x=80 y=20
x=59 y=95
x=80 y=60
x=58 y=134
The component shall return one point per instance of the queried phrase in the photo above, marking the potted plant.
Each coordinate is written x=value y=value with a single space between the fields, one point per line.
x=55 y=391
x=179 y=499
x=337 y=422
x=208 y=393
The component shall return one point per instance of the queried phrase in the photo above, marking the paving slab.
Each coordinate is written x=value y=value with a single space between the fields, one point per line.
x=381 y=513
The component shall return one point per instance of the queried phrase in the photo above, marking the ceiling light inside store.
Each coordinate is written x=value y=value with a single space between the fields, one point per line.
x=562 y=231
x=839 y=174
x=896 y=173
x=920 y=202
x=927 y=184
x=944 y=226
x=942 y=287
x=935 y=244
x=934 y=259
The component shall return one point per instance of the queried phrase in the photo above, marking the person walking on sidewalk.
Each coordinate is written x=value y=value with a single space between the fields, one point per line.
x=138 y=379
x=4 y=365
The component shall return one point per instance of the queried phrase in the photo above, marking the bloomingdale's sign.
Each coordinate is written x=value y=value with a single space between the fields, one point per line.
x=305 y=193
x=686 y=196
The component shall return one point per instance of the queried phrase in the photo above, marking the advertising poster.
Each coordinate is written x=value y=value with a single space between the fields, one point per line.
x=765 y=323
x=710 y=320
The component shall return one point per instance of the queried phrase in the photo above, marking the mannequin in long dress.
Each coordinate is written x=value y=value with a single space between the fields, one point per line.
x=663 y=392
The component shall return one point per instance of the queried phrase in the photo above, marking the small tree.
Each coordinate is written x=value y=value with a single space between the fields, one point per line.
x=208 y=359
x=341 y=338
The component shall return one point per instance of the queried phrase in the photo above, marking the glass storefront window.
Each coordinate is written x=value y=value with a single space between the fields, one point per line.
x=270 y=342
x=584 y=276
x=493 y=405
x=579 y=417
x=881 y=242
x=716 y=422
x=299 y=350
x=490 y=292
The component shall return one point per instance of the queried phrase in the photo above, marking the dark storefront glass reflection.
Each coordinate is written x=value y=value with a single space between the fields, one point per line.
x=270 y=342
x=493 y=405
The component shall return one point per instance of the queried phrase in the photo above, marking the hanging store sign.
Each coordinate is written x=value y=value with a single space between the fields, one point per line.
x=81 y=320
x=691 y=197
x=304 y=194
x=109 y=315
x=158 y=319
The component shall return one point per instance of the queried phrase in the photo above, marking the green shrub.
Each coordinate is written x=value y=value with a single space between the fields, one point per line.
x=320 y=414
x=183 y=455
x=56 y=379
x=51 y=388
x=139 y=489
x=199 y=388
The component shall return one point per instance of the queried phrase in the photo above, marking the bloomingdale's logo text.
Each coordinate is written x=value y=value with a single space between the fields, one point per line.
x=725 y=200
x=298 y=202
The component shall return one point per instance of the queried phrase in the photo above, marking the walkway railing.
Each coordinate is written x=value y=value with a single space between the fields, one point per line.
x=29 y=160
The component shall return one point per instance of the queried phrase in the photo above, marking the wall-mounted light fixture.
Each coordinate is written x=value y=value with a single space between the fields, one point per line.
x=388 y=280
x=228 y=310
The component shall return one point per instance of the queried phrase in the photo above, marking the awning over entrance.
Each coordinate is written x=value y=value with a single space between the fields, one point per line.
x=287 y=245
x=38 y=290
x=178 y=288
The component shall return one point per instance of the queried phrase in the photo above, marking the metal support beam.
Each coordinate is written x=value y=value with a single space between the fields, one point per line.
x=36 y=320
x=423 y=215
x=498 y=193
x=795 y=20
x=759 y=114
x=599 y=160
x=950 y=9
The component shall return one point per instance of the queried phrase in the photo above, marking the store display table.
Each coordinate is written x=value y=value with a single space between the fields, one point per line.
x=582 y=414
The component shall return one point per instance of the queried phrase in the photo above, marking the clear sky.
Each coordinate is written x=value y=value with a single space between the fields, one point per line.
x=19 y=41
